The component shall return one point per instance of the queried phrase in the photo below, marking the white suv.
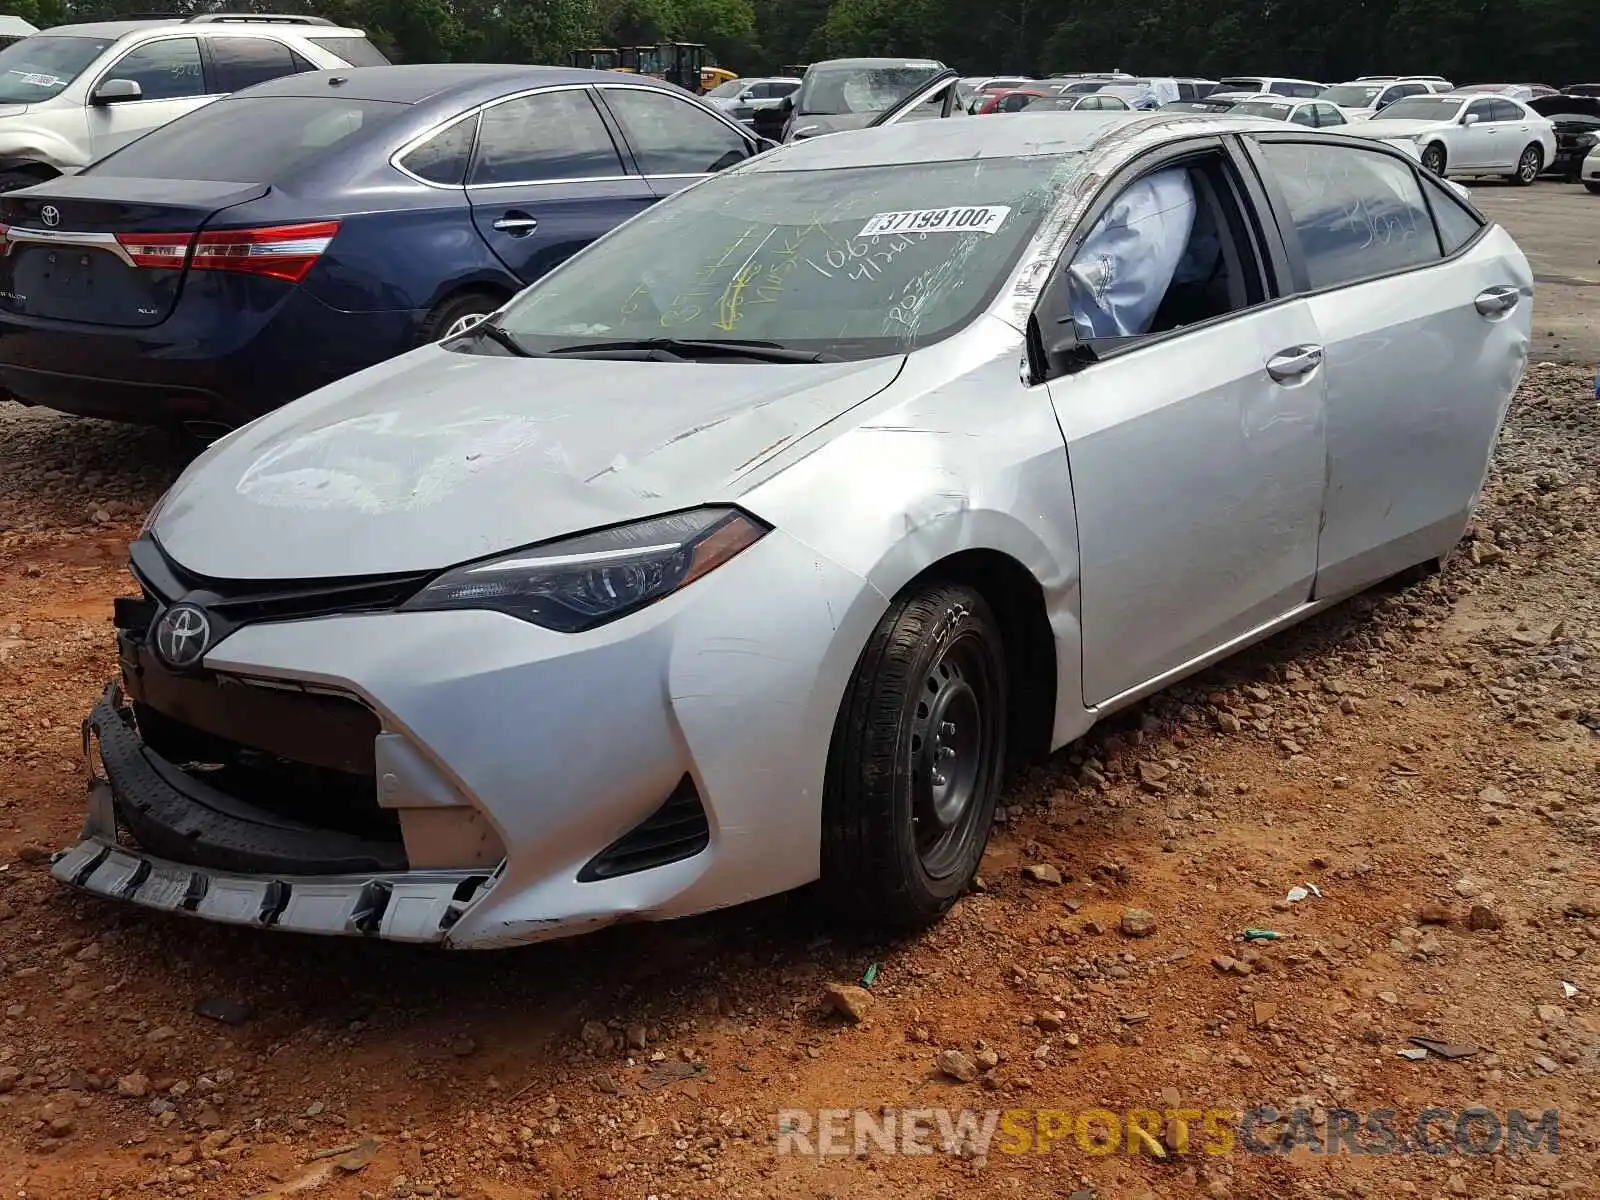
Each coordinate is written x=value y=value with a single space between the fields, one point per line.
x=74 y=93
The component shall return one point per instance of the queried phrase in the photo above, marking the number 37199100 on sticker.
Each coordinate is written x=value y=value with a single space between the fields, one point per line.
x=975 y=218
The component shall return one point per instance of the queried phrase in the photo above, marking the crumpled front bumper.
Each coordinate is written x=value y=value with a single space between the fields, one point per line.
x=408 y=906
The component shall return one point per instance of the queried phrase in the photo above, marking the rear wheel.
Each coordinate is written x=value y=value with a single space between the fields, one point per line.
x=1433 y=158
x=1529 y=164
x=916 y=762
x=458 y=314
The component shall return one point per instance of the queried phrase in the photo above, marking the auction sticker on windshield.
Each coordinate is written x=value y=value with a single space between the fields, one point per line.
x=981 y=218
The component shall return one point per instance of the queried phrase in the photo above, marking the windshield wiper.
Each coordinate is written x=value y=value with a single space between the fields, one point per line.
x=499 y=335
x=700 y=348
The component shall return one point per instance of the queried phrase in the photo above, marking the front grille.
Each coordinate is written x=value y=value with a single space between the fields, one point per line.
x=235 y=602
x=675 y=831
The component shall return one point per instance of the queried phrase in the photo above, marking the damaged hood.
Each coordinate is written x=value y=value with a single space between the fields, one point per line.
x=438 y=457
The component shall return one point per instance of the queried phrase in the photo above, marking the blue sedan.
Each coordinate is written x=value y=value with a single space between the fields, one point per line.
x=278 y=239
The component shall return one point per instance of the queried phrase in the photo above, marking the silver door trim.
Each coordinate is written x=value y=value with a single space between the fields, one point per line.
x=65 y=238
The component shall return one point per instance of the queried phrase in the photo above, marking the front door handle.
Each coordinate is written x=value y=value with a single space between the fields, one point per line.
x=1294 y=363
x=517 y=224
x=1496 y=300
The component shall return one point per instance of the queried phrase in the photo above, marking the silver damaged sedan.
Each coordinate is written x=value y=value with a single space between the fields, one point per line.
x=750 y=547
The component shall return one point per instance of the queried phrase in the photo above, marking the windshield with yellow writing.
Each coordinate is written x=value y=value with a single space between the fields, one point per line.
x=852 y=262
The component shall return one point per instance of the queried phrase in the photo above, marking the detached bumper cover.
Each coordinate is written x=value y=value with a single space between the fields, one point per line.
x=412 y=907
x=128 y=788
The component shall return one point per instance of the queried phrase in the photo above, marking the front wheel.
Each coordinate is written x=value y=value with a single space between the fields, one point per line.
x=916 y=762
x=1433 y=158
x=1592 y=186
x=1529 y=165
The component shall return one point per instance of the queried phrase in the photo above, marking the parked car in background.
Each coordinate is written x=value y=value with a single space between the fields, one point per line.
x=1516 y=91
x=1044 y=100
x=1582 y=89
x=742 y=98
x=980 y=88
x=1576 y=120
x=1303 y=89
x=288 y=235
x=847 y=93
x=14 y=29
x=1214 y=103
x=1360 y=99
x=1439 y=82
x=1190 y=88
x=1315 y=114
x=75 y=93
x=1467 y=134
x=625 y=607
x=1590 y=172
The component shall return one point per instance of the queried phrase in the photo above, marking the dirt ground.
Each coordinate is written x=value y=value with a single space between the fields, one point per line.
x=1425 y=757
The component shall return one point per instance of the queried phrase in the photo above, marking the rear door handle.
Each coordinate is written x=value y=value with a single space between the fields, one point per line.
x=1294 y=363
x=1496 y=300
x=517 y=224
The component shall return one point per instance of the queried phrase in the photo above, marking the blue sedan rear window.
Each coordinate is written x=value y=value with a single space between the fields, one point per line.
x=249 y=139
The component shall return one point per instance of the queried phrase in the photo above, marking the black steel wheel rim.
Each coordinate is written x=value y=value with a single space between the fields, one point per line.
x=954 y=735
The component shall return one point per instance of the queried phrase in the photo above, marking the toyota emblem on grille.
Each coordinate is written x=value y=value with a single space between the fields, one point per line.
x=50 y=215
x=183 y=635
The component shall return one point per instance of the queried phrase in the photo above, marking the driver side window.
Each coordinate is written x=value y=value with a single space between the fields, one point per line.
x=1482 y=109
x=164 y=70
x=1170 y=250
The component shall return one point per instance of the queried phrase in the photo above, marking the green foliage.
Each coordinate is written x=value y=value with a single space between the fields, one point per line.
x=1465 y=40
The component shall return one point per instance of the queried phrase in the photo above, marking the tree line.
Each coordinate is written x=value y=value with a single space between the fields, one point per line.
x=1510 y=41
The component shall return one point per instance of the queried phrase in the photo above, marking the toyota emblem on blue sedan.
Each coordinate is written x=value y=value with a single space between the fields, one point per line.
x=183 y=635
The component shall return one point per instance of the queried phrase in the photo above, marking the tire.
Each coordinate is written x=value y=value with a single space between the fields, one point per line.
x=1529 y=163
x=1433 y=157
x=901 y=841
x=1592 y=186
x=457 y=314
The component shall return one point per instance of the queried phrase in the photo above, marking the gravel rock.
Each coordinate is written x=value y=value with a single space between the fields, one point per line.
x=956 y=1065
x=1042 y=873
x=1138 y=922
x=849 y=1001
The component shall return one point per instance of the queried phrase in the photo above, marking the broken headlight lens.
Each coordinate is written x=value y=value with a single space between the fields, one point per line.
x=584 y=581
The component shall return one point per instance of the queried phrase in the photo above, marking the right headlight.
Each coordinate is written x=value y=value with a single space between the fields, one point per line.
x=584 y=581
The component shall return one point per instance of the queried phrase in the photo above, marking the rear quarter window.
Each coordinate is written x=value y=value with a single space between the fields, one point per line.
x=356 y=51
x=249 y=139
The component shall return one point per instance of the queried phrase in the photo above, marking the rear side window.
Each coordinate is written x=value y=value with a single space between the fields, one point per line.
x=238 y=63
x=1457 y=224
x=356 y=51
x=249 y=139
x=547 y=137
x=1358 y=213
x=1504 y=110
x=443 y=158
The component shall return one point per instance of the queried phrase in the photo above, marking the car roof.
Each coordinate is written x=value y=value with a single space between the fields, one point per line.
x=877 y=62
x=120 y=29
x=1021 y=135
x=469 y=83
